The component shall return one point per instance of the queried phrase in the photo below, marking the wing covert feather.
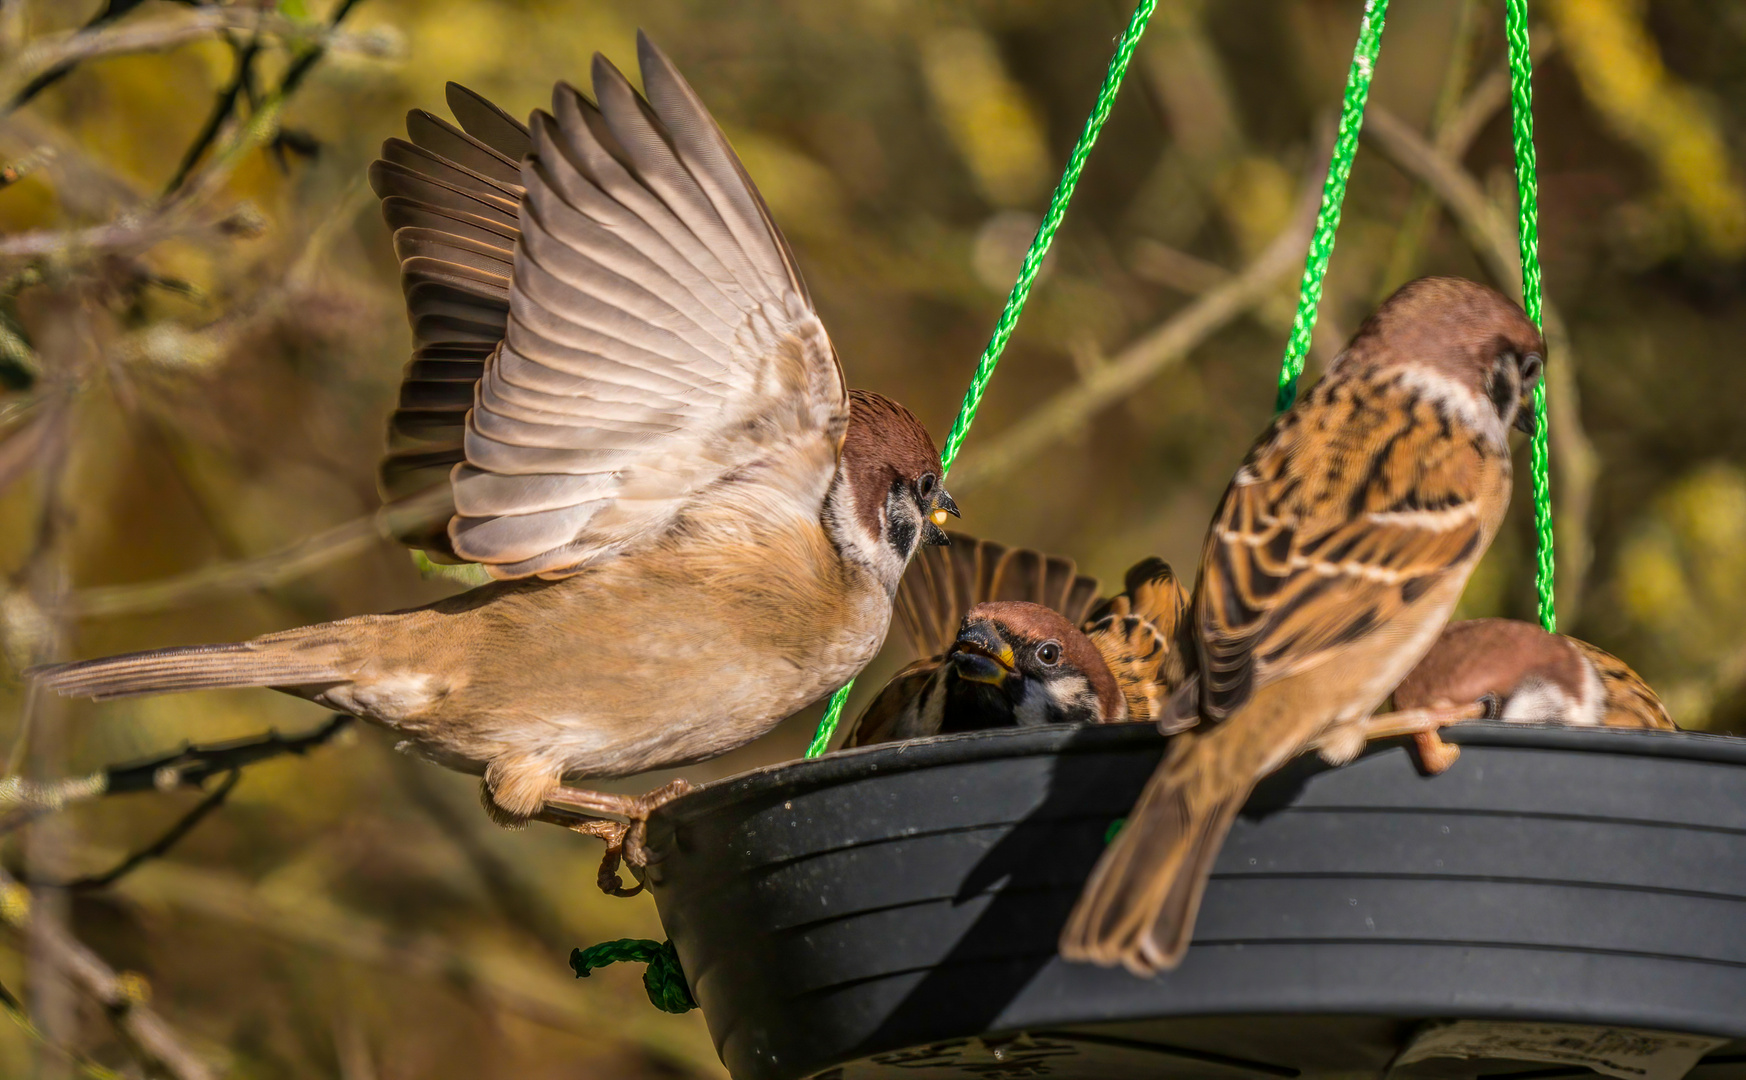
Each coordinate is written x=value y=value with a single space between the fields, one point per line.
x=1385 y=509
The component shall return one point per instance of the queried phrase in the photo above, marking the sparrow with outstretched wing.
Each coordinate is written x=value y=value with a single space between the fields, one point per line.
x=622 y=404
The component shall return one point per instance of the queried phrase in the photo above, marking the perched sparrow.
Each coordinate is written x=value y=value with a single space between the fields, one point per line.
x=1332 y=564
x=1518 y=672
x=1018 y=658
x=962 y=607
x=620 y=382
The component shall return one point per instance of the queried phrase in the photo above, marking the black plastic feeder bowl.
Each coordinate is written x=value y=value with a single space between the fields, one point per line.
x=892 y=912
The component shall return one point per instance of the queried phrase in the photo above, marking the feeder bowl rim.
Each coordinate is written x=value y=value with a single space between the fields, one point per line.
x=792 y=778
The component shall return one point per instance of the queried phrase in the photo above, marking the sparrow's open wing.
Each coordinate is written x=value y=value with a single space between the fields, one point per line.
x=1346 y=513
x=453 y=198
x=656 y=337
x=944 y=582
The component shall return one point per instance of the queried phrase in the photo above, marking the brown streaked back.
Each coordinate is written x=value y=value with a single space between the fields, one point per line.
x=1143 y=634
x=1630 y=701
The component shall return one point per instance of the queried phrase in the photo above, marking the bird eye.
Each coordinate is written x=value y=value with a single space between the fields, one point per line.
x=925 y=486
x=1049 y=653
x=1532 y=365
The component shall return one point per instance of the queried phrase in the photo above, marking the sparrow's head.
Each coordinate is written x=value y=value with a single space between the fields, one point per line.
x=1455 y=331
x=1027 y=662
x=888 y=498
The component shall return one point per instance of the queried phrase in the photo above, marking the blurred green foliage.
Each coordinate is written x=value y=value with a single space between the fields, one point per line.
x=198 y=416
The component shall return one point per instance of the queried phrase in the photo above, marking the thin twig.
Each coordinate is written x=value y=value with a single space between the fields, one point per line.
x=1416 y=224
x=221 y=111
x=262 y=572
x=188 y=767
x=242 y=85
x=171 y=31
x=131 y=231
x=120 y=996
x=18 y=169
x=1144 y=358
x=160 y=847
x=1493 y=238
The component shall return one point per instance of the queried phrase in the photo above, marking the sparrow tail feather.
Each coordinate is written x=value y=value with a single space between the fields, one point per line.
x=269 y=661
x=1139 y=907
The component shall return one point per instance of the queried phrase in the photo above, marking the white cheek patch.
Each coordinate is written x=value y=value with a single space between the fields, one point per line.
x=1053 y=701
x=1536 y=701
x=1469 y=408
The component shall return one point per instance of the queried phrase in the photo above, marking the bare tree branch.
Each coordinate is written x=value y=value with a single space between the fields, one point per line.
x=1493 y=238
x=132 y=231
x=264 y=571
x=1143 y=359
x=189 y=767
x=172 y=30
x=119 y=995
x=160 y=847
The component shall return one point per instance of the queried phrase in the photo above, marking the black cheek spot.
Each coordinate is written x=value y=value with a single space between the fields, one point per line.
x=1503 y=390
x=900 y=530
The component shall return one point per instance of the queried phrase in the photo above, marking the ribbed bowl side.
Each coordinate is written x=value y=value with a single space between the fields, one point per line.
x=863 y=903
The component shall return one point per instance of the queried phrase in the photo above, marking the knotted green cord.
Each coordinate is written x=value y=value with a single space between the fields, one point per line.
x=1527 y=189
x=663 y=979
x=1321 y=249
x=1021 y=291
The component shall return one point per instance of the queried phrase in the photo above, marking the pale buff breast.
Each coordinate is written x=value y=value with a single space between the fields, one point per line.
x=652 y=660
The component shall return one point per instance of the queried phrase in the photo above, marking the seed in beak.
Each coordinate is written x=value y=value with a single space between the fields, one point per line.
x=939 y=517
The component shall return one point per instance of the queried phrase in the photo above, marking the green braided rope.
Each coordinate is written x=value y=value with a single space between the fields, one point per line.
x=1527 y=188
x=1321 y=249
x=1021 y=291
x=664 y=979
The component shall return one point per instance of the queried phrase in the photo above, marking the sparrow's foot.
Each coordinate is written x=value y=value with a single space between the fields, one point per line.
x=612 y=832
x=634 y=808
x=1435 y=755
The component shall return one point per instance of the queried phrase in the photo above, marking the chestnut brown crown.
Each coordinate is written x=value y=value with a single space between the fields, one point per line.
x=1465 y=332
x=1046 y=649
x=894 y=470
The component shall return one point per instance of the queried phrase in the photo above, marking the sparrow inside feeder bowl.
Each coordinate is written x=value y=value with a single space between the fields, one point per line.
x=894 y=912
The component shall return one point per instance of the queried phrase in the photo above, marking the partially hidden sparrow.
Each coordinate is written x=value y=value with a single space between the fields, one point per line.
x=622 y=404
x=1011 y=637
x=1509 y=670
x=1333 y=561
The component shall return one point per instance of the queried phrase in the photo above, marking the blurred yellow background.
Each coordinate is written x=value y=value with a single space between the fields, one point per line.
x=190 y=420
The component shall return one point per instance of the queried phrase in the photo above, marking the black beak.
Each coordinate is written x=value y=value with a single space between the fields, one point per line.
x=979 y=655
x=1526 y=421
x=939 y=504
x=1533 y=367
